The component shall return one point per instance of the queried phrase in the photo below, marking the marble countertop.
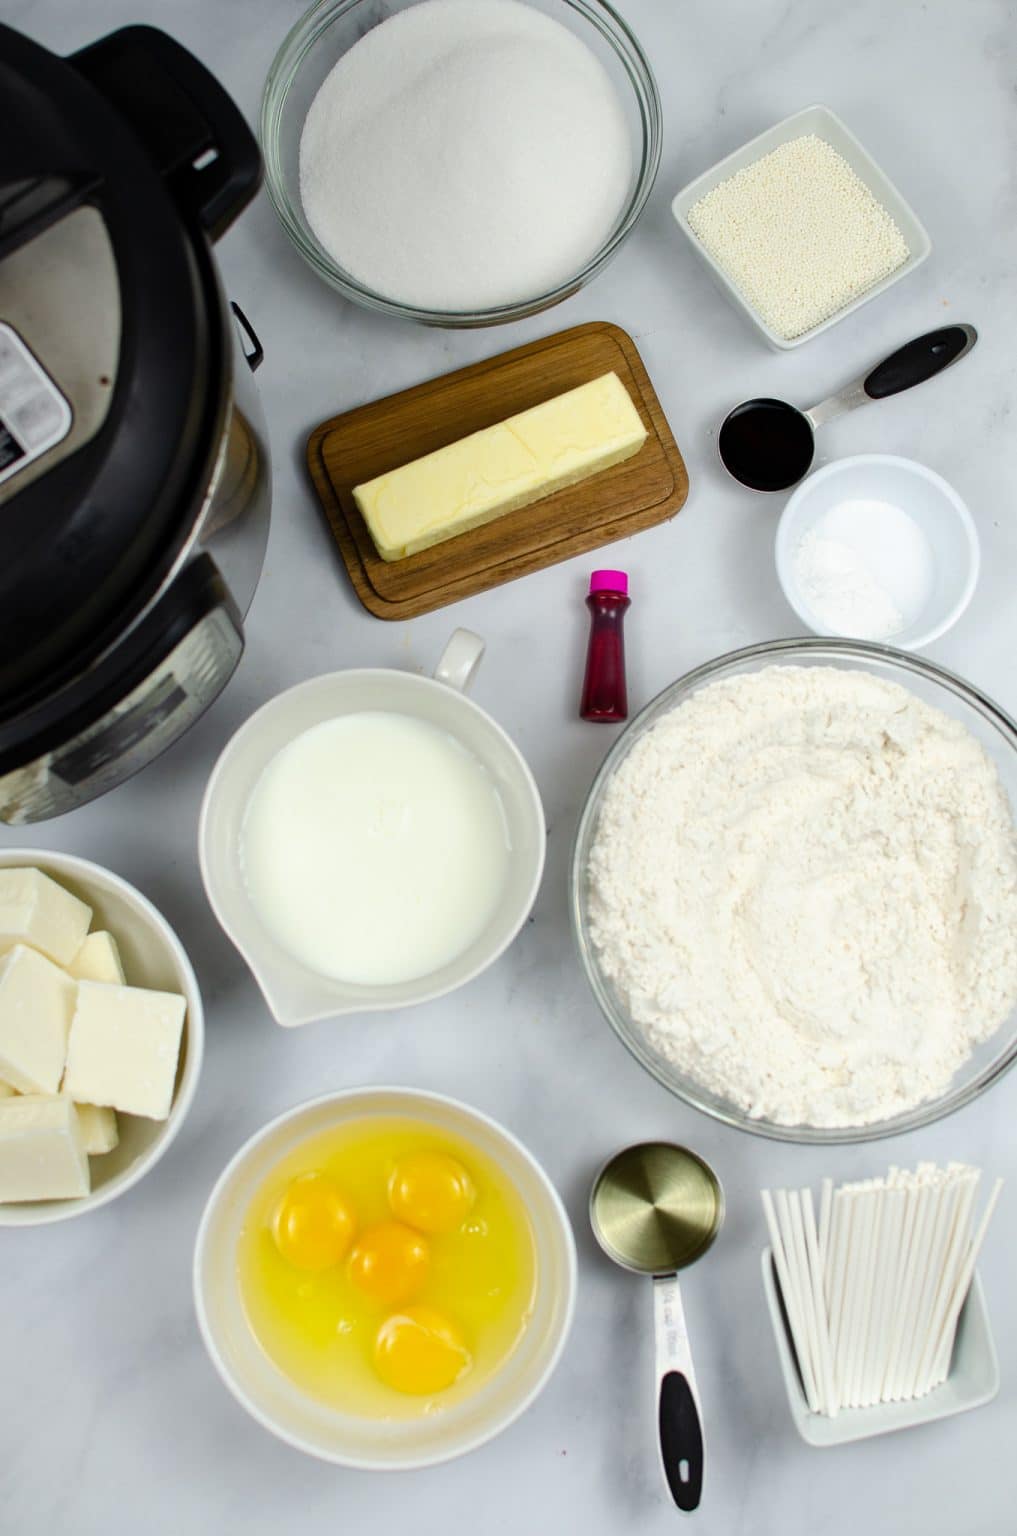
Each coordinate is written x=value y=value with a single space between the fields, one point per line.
x=113 y=1417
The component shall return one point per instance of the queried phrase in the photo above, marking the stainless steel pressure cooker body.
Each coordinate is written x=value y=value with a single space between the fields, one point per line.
x=134 y=465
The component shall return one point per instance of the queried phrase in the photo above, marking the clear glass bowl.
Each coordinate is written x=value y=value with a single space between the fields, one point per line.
x=330 y=28
x=996 y=732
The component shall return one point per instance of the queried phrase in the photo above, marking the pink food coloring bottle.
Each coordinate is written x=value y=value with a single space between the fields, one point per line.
x=604 y=695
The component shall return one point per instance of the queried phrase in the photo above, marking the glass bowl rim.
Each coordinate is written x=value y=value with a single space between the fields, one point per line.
x=298 y=43
x=688 y=1091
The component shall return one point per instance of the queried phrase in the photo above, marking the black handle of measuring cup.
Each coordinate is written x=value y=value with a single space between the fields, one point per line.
x=681 y=1441
x=919 y=360
x=191 y=128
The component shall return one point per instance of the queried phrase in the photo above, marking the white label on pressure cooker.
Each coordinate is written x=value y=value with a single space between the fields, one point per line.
x=34 y=416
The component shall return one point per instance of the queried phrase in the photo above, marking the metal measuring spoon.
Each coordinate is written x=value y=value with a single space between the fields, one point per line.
x=656 y=1208
x=769 y=444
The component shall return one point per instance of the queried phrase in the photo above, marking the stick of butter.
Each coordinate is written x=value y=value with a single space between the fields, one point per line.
x=42 y=1153
x=502 y=468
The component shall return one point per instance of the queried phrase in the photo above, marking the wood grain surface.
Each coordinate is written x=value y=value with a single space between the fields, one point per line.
x=373 y=439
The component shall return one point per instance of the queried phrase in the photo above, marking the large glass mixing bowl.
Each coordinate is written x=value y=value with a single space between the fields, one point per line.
x=987 y=723
x=330 y=29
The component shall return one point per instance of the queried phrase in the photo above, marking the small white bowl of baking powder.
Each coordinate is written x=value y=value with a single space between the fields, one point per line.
x=877 y=547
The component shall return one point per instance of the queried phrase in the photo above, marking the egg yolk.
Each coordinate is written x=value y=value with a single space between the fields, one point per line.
x=420 y=1351
x=390 y=1262
x=431 y=1191
x=313 y=1223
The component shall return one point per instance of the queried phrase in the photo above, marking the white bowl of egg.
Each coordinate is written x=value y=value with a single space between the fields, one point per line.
x=384 y=1278
x=371 y=839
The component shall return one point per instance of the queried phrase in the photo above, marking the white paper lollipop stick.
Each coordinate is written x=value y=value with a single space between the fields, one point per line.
x=943 y=1344
x=825 y=1362
x=789 y=1216
x=942 y=1242
x=825 y=1214
x=963 y=1283
x=876 y=1292
x=912 y=1279
x=842 y=1292
x=923 y=1259
x=791 y=1300
x=944 y=1203
x=945 y=1348
x=885 y=1299
x=796 y=1228
x=868 y=1282
x=862 y=1246
x=909 y=1184
x=835 y=1263
x=873 y=1287
x=959 y=1238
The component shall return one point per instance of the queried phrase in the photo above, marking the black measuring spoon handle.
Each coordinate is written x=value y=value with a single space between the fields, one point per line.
x=681 y=1441
x=919 y=360
x=679 y=1422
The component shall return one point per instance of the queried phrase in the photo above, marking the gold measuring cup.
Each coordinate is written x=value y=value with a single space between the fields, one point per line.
x=656 y=1208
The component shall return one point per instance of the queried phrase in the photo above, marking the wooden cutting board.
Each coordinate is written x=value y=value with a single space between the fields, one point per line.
x=373 y=439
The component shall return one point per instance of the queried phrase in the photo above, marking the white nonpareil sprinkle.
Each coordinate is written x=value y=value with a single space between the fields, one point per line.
x=465 y=154
x=799 y=233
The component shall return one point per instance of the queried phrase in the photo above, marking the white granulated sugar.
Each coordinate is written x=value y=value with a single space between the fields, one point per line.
x=465 y=154
x=803 y=887
x=799 y=233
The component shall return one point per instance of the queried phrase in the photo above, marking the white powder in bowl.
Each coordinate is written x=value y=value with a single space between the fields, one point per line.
x=842 y=592
x=803 y=888
x=865 y=569
x=799 y=233
x=465 y=154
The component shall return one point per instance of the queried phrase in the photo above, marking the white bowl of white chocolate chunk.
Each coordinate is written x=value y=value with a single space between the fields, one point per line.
x=136 y=1044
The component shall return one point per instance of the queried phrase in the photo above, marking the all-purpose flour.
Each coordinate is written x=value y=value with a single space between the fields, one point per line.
x=803 y=884
x=465 y=154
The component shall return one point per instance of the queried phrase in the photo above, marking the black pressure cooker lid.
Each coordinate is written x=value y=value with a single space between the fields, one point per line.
x=136 y=130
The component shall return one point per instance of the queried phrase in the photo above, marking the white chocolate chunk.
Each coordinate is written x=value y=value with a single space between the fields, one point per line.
x=98 y=1128
x=42 y=1151
x=98 y=959
x=36 y=910
x=36 y=1005
x=123 y=1048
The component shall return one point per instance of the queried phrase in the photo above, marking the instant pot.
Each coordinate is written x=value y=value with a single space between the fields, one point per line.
x=134 y=466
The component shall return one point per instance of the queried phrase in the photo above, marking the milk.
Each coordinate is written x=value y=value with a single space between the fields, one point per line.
x=375 y=848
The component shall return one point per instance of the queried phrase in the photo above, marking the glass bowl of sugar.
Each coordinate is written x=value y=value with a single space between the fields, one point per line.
x=803 y=854
x=460 y=162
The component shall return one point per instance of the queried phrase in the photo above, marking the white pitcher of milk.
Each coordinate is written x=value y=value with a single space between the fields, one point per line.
x=371 y=839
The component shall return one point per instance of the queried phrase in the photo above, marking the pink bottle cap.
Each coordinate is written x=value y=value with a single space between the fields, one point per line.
x=610 y=581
